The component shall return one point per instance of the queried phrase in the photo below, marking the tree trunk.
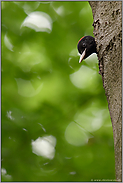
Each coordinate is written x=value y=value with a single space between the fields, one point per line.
x=108 y=35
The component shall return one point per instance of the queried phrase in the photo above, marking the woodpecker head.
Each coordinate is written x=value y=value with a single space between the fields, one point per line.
x=86 y=46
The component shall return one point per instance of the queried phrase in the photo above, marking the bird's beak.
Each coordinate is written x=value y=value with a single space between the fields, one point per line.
x=82 y=56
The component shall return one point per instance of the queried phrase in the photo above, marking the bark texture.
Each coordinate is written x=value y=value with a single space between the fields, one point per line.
x=108 y=35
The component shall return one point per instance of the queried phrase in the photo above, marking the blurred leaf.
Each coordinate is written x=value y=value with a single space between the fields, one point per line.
x=49 y=100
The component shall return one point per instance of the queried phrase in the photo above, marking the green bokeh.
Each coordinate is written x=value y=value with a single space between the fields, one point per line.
x=46 y=92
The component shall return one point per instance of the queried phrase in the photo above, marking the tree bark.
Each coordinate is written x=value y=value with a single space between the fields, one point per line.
x=108 y=35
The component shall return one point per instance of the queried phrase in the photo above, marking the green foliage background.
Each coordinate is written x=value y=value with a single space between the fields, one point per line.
x=45 y=91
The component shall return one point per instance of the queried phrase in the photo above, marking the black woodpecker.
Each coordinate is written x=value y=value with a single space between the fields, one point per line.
x=86 y=46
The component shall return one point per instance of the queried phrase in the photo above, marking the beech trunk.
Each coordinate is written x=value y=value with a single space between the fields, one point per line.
x=108 y=35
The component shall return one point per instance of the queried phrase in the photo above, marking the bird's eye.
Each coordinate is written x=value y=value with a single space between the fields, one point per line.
x=83 y=44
